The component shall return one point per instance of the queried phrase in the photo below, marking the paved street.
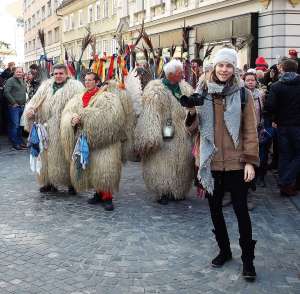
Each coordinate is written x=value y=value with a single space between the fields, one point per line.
x=60 y=244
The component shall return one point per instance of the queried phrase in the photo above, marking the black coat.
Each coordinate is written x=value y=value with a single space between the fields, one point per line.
x=283 y=102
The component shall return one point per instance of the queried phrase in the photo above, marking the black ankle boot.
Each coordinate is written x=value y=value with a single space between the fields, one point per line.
x=97 y=199
x=164 y=200
x=225 y=251
x=71 y=190
x=108 y=205
x=221 y=258
x=48 y=188
x=247 y=258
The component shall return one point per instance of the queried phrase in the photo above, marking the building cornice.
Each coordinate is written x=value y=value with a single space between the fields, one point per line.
x=189 y=13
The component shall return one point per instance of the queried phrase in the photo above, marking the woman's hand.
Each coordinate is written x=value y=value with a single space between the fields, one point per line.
x=75 y=119
x=249 y=173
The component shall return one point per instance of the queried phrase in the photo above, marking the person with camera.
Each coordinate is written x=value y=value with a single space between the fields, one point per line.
x=228 y=151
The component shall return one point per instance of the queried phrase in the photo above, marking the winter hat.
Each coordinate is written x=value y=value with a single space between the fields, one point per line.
x=226 y=55
x=261 y=63
x=251 y=70
x=293 y=52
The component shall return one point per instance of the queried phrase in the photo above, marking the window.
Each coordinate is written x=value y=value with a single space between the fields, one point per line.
x=43 y=12
x=72 y=23
x=178 y=4
x=49 y=9
x=29 y=24
x=80 y=18
x=139 y=5
x=114 y=46
x=33 y=20
x=97 y=15
x=49 y=38
x=114 y=6
x=38 y=17
x=124 y=8
x=29 y=45
x=99 y=47
x=105 y=47
x=66 y=23
x=56 y=34
x=105 y=8
x=25 y=27
x=33 y=44
x=90 y=13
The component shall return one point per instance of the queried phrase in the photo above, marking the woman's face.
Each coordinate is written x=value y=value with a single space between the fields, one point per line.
x=224 y=71
x=29 y=77
x=250 y=82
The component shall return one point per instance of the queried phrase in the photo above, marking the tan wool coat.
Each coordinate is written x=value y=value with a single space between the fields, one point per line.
x=168 y=167
x=55 y=167
x=107 y=122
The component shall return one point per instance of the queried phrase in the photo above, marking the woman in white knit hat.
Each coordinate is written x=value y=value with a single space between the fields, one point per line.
x=228 y=151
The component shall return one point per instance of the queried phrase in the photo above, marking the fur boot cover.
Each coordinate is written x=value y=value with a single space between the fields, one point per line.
x=168 y=166
x=55 y=167
x=104 y=121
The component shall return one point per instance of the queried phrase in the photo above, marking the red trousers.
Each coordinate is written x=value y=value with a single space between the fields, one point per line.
x=105 y=195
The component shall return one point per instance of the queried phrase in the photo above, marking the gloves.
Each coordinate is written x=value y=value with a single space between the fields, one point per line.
x=191 y=101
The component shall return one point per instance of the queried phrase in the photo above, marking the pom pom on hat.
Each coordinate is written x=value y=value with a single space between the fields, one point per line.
x=251 y=70
x=226 y=55
x=261 y=63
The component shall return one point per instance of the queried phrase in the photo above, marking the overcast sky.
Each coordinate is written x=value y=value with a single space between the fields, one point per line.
x=9 y=32
x=7 y=23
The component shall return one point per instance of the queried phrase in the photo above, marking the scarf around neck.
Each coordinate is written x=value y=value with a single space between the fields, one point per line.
x=232 y=119
x=174 y=88
x=87 y=96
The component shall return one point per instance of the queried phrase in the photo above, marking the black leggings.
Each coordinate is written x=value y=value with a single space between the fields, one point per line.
x=232 y=181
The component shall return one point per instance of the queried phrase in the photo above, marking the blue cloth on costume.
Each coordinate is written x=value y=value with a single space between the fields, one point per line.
x=34 y=141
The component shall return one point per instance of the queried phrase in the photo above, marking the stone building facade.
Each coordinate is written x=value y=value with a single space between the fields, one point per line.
x=41 y=14
x=272 y=25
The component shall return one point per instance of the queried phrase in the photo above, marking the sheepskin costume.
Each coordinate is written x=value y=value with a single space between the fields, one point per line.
x=55 y=167
x=168 y=167
x=107 y=122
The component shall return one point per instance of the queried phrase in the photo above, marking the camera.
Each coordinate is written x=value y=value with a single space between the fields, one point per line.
x=193 y=100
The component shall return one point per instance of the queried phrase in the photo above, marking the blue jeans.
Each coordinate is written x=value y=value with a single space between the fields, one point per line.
x=289 y=154
x=14 y=129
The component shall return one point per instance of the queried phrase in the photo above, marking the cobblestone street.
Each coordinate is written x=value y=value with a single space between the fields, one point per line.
x=57 y=243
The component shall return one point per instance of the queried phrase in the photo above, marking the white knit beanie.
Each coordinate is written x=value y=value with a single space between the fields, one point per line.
x=226 y=55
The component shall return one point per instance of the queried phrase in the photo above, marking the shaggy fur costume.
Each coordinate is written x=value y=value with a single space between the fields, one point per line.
x=168 y=167
x=106 y=122
x=55 y=167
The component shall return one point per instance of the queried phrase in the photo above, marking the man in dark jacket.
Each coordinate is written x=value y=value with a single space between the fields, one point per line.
x=15 y=94
x=283 y=103
x=5 y=75
x=294 y=55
